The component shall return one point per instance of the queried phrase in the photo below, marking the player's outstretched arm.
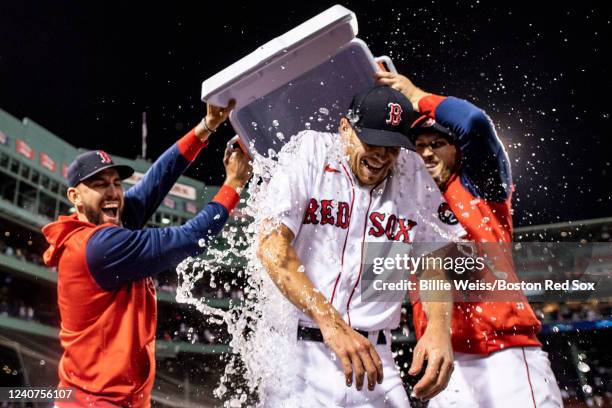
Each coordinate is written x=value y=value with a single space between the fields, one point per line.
x=116 y=256
x=485 y=163
x=435 y=345
x=143 y=199
x=357 y=354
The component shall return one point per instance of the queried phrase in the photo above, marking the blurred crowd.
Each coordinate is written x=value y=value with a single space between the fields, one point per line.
x=181 y=329
x=557 y=312
x=175 y=324
x=21 y=252
x=35 y=307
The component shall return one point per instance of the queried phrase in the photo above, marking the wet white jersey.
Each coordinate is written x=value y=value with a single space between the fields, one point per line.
x=315 y=194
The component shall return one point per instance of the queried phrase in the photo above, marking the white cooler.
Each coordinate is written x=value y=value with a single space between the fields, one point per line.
x=303 y=79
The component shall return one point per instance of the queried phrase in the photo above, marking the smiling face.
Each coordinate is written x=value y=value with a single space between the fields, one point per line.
x=440 y=156
x=99 y=199
x=370 y=164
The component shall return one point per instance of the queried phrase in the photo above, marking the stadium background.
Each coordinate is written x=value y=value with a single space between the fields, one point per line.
x=88 y=70
x=191 y=351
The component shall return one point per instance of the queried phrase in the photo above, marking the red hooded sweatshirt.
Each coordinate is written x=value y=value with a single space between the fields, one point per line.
x=106 y=295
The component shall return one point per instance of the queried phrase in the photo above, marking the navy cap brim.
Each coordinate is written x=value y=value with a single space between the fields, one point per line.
x=124 y=172
x=385 y=138
x=436 y=128
x=419 y=127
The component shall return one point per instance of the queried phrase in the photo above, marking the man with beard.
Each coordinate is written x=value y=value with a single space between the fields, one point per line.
x=105 y=261
x=333 y=196
x=499 y=361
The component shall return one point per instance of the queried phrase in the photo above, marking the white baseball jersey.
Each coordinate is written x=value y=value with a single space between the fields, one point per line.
x=315 y=194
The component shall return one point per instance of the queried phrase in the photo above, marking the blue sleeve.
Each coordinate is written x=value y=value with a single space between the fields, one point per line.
x=485 y=170
x=142 y=200
x=117 y=256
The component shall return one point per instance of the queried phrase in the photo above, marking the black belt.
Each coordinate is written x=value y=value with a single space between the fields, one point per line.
x=312 y=334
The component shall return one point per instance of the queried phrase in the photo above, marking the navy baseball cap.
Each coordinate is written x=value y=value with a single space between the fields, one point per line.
x=382 y=116
x=91 y=163
x=425 y=124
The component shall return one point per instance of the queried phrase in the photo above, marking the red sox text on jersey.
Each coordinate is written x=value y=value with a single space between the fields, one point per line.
x=325 y=212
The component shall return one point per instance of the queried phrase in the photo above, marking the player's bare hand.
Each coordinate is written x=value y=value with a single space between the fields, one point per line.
x=356 y=353
x=435 y=348
x=403 y=84
x=215 y=116
x=238 y=168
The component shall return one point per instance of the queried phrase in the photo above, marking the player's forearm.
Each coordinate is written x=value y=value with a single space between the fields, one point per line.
x=204 y=129
x=415 y=95
x=143 y=198
x=116 y=256
x=283 y=265
x=412 y=92
x=438 y=304
x=438 y=315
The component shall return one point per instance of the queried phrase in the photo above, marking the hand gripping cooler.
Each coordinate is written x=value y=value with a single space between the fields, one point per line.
x=304 y=79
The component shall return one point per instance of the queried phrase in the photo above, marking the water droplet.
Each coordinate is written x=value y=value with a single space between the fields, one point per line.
x=501 y=274
x=584 y=367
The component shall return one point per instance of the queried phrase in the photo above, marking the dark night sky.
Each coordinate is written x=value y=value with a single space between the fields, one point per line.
x=87 y=70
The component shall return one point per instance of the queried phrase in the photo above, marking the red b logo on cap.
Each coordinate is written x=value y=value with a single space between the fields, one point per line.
x=104 y=157
x=395 y=114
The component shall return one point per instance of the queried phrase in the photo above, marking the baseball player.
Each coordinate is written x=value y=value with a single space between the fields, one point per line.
x=105 y=261
x=498 y=358
x=334 y=195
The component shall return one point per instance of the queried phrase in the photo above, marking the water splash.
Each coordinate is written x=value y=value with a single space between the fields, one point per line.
x=264 y=322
